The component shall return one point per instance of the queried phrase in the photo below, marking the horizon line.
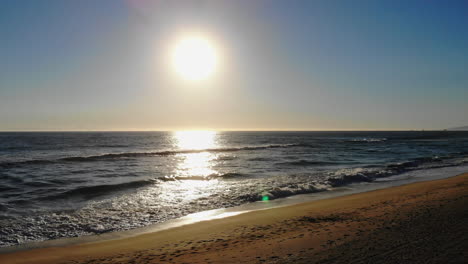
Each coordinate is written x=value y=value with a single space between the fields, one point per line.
x=230 y=130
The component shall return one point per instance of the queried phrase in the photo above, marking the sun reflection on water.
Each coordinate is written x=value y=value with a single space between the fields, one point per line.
x=195 y=139
x=196 y=166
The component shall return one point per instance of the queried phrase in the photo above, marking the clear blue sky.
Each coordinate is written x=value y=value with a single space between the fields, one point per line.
x=102 y=65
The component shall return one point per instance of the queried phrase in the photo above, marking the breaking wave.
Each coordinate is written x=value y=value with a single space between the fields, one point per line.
x=370 y=173
x=203 y=178
x=98 y=190
x=307 y=163
x=110 y=156
x=368 y=140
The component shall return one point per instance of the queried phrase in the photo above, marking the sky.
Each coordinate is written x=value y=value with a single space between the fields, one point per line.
x=282 y=65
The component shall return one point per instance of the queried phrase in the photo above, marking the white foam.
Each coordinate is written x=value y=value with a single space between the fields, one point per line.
x=381 y=183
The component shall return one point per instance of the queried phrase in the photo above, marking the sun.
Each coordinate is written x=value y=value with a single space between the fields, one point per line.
x=194 y=58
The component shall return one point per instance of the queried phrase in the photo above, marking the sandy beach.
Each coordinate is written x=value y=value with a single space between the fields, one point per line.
x=422 y=222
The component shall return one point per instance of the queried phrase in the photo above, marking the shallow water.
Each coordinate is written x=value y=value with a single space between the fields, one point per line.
x=71 y=184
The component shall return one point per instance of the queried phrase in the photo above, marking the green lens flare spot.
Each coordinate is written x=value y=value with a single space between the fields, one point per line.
x=265 y=198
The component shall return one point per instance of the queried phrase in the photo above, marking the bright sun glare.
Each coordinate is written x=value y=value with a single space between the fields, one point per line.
x=194 y=58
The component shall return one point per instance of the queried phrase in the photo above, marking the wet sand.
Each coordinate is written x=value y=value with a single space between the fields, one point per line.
x=422 y=222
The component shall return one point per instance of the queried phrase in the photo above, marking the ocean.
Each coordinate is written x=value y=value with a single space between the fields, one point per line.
x=68 y=184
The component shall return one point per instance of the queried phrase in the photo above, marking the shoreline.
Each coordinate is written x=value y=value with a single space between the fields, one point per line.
x=355 y=188
x=279 y=235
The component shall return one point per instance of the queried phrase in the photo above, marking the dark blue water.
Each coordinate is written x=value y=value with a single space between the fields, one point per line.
x=70 y=184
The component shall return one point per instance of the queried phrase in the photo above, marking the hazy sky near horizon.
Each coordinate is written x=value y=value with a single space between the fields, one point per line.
x=319 y=65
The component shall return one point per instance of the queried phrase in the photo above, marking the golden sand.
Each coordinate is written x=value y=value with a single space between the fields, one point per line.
x=422 y=222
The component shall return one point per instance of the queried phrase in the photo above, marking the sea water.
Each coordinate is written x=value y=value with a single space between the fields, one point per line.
x=69 y=184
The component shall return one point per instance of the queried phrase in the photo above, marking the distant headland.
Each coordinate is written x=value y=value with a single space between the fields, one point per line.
x=463 y=128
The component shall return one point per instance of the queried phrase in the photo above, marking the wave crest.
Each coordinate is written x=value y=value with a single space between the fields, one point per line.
x=111 y=156
x=98 y=190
